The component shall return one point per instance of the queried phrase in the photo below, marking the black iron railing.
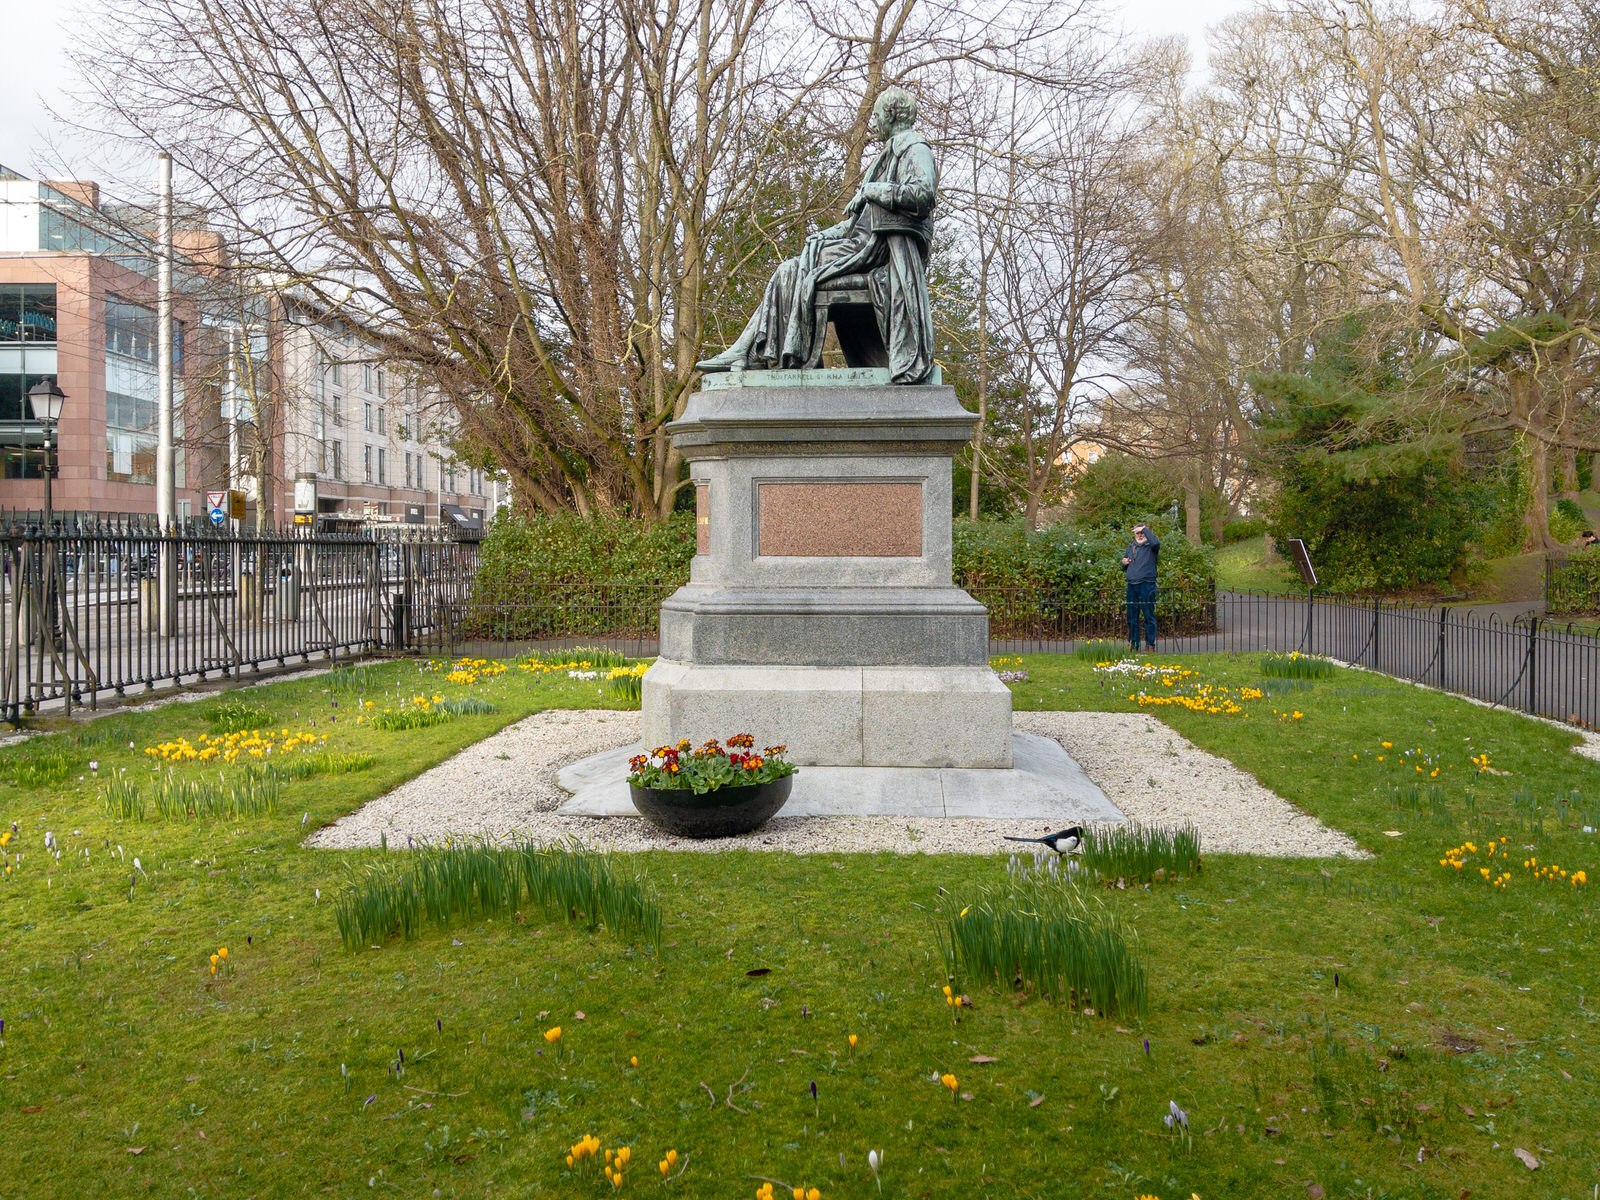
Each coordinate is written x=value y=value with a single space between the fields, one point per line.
x=84 y=617
x=92 y=611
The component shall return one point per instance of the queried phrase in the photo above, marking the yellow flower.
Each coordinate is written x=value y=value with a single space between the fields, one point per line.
x=1387 y=745
x=553 y=1035
x=950 y=1082
x=634 y=1061
x=813 y=1194
x=799 y=1193
x=222 y=952
x=852 y=1041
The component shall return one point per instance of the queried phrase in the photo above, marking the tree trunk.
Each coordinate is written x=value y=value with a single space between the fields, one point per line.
x=1191 y=502
x=1567 y=474
x=1536 y=505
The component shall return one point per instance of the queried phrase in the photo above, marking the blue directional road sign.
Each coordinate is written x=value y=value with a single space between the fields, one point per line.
x=218 y=516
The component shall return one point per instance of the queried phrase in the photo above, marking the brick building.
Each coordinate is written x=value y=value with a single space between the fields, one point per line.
x=293 y=398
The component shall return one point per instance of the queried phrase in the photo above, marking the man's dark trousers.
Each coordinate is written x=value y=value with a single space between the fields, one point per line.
x=1142 y=610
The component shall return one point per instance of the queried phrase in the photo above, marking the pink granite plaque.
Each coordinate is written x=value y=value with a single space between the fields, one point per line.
x=840 y=520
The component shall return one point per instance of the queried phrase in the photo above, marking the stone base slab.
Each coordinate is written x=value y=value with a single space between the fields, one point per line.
x=825 y=626
x=837 y=716
x=1045 y=784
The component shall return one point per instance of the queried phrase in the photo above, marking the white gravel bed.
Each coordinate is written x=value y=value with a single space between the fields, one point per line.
x=505 y=786
x=1157 y=776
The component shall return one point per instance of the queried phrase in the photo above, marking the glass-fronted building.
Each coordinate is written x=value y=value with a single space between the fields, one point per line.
x=77 y=306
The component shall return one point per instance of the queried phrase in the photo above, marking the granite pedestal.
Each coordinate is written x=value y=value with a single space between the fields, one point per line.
x=820 y=611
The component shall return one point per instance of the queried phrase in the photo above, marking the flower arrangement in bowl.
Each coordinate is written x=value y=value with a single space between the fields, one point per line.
x=711 y=790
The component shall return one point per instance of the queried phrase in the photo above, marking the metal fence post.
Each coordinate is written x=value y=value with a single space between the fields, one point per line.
x=1533 y=664
x=1444 y=612
x=1376 y=608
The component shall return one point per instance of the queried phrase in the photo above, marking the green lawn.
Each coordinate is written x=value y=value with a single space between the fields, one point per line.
x=1385 y=1028
x=1245 y=566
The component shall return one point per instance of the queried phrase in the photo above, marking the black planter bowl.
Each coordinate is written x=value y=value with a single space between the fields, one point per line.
x=721 y=812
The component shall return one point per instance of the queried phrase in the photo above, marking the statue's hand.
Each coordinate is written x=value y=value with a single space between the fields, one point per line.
x=857 y=203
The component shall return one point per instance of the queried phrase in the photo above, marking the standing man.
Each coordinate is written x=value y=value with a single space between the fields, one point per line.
x=1139 y=565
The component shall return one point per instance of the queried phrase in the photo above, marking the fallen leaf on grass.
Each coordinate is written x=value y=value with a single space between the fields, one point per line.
x=1120 y=1029
x=983 y=1058
x=33 y=1108
x=966 y=1095
x=578 y=1016
x=135 y=1149
x=1468 y=1109
x=1394 y=833
x=1528 y=1160
x=1035 y=1102
x=1564 y=1074
x=1314 y=1191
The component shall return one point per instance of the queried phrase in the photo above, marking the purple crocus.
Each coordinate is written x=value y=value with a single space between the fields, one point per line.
x=813 y=1089
x=1147 y=1047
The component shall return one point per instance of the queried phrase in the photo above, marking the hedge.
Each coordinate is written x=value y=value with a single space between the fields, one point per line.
x=1572 y=584
x=546 y=575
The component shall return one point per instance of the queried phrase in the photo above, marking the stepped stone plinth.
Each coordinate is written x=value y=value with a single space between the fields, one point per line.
x=820 y=610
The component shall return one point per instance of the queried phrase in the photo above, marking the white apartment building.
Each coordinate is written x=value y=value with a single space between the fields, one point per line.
x=363 y=443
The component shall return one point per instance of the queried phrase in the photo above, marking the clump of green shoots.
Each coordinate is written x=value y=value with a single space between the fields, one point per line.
x=1099 y=650
x=1138 y=853
x=323 y=762
x=237 y=715
x=626 y=683
x=1295 y=666
x=228 y=796
x=123 y=799
x=400 y=719
x=360 y=677
x=445 y=884
x=470 y=706
x=40 y=763
x=1042 y=932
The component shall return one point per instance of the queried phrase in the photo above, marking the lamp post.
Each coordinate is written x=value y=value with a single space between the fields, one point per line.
x=46 y=399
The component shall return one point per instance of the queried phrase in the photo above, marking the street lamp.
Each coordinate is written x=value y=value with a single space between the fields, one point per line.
x=47 y=399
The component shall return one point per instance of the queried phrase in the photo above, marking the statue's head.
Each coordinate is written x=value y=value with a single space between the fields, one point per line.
x=895 y=109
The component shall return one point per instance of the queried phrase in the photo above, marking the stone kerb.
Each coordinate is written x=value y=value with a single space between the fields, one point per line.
x=820 y=610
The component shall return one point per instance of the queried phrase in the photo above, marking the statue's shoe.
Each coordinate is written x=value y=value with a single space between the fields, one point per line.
x=726 y=361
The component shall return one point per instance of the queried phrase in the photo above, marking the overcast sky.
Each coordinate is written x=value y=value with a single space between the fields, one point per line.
x=36 y=68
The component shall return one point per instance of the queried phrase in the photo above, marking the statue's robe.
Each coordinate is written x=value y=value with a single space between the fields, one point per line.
x=888 y=243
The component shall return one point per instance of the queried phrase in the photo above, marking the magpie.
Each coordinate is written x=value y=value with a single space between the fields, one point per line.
x=1065 y=841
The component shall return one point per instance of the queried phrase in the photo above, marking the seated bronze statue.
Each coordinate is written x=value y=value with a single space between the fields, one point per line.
x=867 y=274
